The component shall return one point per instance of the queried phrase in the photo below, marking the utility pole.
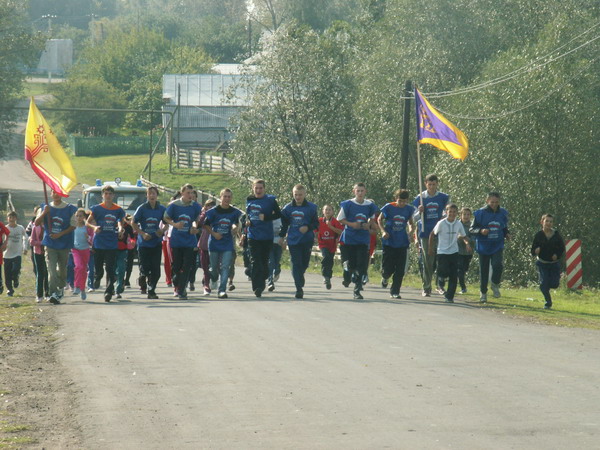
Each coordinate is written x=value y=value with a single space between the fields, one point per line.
x=405 y=136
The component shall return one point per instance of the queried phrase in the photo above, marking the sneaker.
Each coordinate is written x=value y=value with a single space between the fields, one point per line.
x=441 y=291
x=483 y=297
x=91 y=290
x=206 y=292
x=119 y=296
x=222 y=294
x=548 y=305
x=214 y=284
x=463 y=291
x=192 y=287
x=182 y=296
x=54 y=299
x=96 y=284
x=448 y=300
x=107 y=297
x=83 y=295
x=275 y=278
x=231 y=287
x=384 y=283
x=496 y=290
x=10 y=293
x=76 y=291
x=271 y=287
x=299 y=293
x=61 y=293
x=328 y=283
x=39 y=299
x=143 y=289
x=396 y=296
x=365 y=279
x=175 y=293
x=425 y=293
x=127 y=284
x=345 y=283
x=152 y=295
x=258 y=293
x=169 y=284
x=357 y=296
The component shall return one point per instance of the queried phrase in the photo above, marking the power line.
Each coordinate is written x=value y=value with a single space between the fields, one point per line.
x=535 y=102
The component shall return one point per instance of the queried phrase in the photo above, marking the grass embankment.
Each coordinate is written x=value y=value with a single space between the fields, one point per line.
x=18 y=319
x=570 y=309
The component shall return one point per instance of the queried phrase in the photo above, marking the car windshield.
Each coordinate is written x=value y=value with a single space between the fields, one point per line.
x=129 y=201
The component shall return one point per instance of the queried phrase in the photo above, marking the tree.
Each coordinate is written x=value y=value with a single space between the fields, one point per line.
x=300 y=126
x=18 y=48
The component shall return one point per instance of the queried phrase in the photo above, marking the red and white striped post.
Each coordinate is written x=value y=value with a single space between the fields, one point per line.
x=574 y=269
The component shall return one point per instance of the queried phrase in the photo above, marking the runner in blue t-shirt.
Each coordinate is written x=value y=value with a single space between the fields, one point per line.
x=430 y=205
x=299 y=220
x=395 y=240
x=357 y=215
x=221 y=222
x=107 y=221
x=182 y=214
x=147 y=223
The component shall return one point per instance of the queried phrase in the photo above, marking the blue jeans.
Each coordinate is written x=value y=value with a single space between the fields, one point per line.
x=220 y=263
x=300 y=256
x=121 y=267
x=549 y=278
x=484 y=270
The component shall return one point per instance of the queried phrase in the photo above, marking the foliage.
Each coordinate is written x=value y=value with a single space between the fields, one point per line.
x=18 y=47
x=300 y=126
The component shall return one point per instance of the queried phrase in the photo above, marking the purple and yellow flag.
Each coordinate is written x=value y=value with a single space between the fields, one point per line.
x=435 y=129
x=45 y=154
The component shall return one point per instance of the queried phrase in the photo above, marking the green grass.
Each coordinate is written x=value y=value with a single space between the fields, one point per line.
x=129 y=167
x=31 y=89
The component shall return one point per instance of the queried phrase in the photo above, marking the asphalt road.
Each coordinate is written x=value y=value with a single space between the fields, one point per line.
x=325 y=372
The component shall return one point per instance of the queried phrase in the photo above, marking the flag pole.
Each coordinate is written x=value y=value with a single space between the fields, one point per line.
x=419 y=174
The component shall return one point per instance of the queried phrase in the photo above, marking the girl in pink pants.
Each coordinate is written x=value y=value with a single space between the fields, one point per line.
x=81 y=252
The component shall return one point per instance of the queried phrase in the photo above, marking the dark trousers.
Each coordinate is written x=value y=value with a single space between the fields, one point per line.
x=12 y=270
x=393 y=264
x=327 y=263
x=181 y=264
x=194 y=266
x=259 y=262
x=447 y=267
x=104 y=258
x=345 y=272
x=464 y=261
x=129 y=269
x=549 y=278
x=484 y=270
x=41 y=275
x=205 y=264
x=150 y=258
x=275 y=261
x=357 y=263
x=300 y=256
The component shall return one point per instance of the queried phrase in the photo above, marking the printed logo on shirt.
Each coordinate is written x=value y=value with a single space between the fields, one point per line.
x=57 y=224
x=253 y=211
x=361 y=218
x=187 y=221
x=110 y=223
x=432 y=210
x=398 y=223
x=495 y=230
x=151 y=225
x=223 y=226
x=297 y=218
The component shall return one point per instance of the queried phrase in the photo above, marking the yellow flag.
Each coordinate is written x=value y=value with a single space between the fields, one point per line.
x=45 y=154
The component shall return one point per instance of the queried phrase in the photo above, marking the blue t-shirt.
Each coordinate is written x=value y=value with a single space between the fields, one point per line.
x=434 y=210
x=497 y=223
x=148 y=219
x=180 y=212
x=396 y=219
x=354 y=212
x=261 y=230
x=60 y=220
x=295 y=216
x=221 y=221
x=108 y=221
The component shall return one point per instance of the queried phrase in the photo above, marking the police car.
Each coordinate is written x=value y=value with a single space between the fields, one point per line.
x=128 y=196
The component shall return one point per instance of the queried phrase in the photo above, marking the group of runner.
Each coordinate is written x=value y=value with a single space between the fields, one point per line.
x=189 y=235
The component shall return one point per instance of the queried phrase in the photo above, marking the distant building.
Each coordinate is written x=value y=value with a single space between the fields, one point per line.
x=204 y=118
x=57 y=57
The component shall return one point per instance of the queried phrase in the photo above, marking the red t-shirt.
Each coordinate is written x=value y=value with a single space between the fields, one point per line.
x=327 y=237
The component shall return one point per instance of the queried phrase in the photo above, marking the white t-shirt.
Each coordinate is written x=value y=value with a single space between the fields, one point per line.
x=17 y=242
x=448 y=234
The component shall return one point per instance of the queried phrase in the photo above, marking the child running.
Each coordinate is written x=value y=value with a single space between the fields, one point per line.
x=548 y=247
x=83 y=237
x=395 y=240
x=328 y=234
x=15 y=248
